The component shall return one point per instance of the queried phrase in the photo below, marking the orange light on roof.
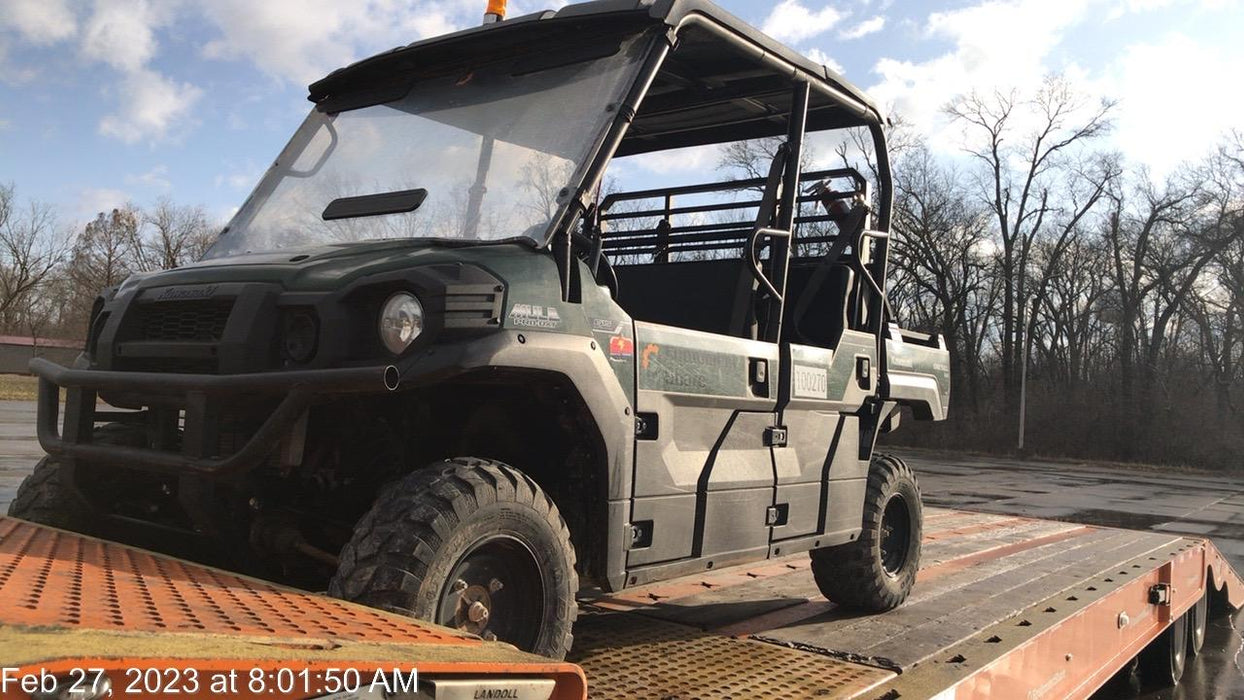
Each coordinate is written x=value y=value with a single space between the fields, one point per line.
x=496 y=8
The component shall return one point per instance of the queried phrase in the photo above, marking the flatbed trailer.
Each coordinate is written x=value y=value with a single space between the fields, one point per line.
x=84 y=618
x=1004 y=607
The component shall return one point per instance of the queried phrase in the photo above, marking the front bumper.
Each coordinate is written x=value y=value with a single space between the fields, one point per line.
x=297 y=389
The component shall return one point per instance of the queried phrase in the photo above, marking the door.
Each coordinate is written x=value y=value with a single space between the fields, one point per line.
x=703 y=469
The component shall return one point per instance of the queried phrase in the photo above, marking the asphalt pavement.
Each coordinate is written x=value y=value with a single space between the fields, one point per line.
x=1166 y=500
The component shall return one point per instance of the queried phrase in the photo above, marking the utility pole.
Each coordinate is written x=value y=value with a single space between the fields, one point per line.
x=1023 y=374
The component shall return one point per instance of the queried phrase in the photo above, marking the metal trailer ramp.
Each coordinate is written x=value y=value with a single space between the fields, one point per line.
x=1003 y=607
x=72 y=603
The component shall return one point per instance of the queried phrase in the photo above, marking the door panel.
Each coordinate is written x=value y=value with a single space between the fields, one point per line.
x=704 y=454
x=821 y=389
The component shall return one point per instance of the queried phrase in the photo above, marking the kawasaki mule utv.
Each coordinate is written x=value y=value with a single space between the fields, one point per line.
x=430 y=366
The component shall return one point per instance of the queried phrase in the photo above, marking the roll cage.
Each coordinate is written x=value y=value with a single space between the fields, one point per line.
x=708 y=78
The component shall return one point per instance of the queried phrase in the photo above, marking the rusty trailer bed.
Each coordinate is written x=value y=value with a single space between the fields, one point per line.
x=70 y=602
x=1003 y=607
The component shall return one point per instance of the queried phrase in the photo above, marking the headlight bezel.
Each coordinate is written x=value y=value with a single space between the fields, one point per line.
x=401 y=314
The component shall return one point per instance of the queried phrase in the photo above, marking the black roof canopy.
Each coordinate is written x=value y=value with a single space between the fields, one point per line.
x=726 y=81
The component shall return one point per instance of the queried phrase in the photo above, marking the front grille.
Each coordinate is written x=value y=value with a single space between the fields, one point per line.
x=472 y=306
x=198 y=319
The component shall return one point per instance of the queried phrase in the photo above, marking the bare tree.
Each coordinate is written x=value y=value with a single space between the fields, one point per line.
x=1021 y=172
x=30 y=249
x=171 y=235
x=941 y=258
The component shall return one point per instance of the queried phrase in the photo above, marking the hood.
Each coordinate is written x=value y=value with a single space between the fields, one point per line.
x=324 y=268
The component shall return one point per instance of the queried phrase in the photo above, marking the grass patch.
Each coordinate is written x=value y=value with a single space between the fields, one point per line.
x=18 y=387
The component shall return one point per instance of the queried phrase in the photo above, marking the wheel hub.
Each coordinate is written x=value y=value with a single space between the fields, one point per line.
x=474 y=607
x=495 y=591
x=895 y=535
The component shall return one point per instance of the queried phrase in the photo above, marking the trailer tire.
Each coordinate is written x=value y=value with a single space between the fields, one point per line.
x=471 y=544
x=1162 y=662
x=1197 y=620
x=875 y=572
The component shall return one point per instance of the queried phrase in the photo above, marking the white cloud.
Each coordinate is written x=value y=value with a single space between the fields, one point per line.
x=156 y=178
x=679 y=160
x=301 y=42
x=792 y=22
x=153 y=108
x=121 y=33
x=995 y=45
x=240 y=178
x=824 y=59
x=94 y=200
x=1157 y=130
x=863 y=29
x=39 y=21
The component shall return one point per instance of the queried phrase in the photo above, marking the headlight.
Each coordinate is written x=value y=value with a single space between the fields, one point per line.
x=401 y=321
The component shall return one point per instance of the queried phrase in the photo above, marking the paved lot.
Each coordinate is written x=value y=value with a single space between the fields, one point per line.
x=1202 y=505
x=19 y=450
x=1166 y=501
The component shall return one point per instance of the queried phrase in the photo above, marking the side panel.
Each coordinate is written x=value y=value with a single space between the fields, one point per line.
x=919 y=377
x=820 y=473
x=703 y=473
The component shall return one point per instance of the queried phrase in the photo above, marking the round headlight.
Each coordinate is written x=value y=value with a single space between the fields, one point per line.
x=401 y=321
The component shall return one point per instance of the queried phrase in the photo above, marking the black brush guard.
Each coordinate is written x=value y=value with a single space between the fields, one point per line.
x=300 y=388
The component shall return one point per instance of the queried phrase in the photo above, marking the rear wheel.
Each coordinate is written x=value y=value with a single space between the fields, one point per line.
x=1162 y=662
x=470 y=544
x=875 y=573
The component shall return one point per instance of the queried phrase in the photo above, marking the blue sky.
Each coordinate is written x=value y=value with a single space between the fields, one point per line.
x=107 y=101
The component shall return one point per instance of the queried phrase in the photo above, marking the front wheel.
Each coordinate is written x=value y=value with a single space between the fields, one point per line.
x=875 y=573
x=43 y=497
x=470 y=544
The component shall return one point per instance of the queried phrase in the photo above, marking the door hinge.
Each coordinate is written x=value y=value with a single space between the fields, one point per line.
x=775 y=436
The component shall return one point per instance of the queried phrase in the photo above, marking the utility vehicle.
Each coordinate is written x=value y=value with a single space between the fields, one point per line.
x=434 y=366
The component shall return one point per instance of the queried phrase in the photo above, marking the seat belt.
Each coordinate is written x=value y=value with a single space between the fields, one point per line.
x=744 y=311
x=848 y=233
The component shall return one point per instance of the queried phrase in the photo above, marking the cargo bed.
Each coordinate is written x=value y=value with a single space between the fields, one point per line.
x=1004 y=607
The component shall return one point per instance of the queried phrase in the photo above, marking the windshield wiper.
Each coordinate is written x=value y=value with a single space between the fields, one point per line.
x=399 y=202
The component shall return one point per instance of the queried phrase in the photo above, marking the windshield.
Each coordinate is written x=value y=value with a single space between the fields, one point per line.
x=481 y=154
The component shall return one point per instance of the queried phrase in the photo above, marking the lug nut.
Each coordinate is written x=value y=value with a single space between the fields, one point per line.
x=495 y=585
x=478 y=612
x=458 y=586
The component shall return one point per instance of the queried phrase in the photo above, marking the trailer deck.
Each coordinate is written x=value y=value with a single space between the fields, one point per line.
x=81 y=609
x=1004 y=607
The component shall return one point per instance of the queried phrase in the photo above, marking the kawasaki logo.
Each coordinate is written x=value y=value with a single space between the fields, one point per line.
x=181 y=293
